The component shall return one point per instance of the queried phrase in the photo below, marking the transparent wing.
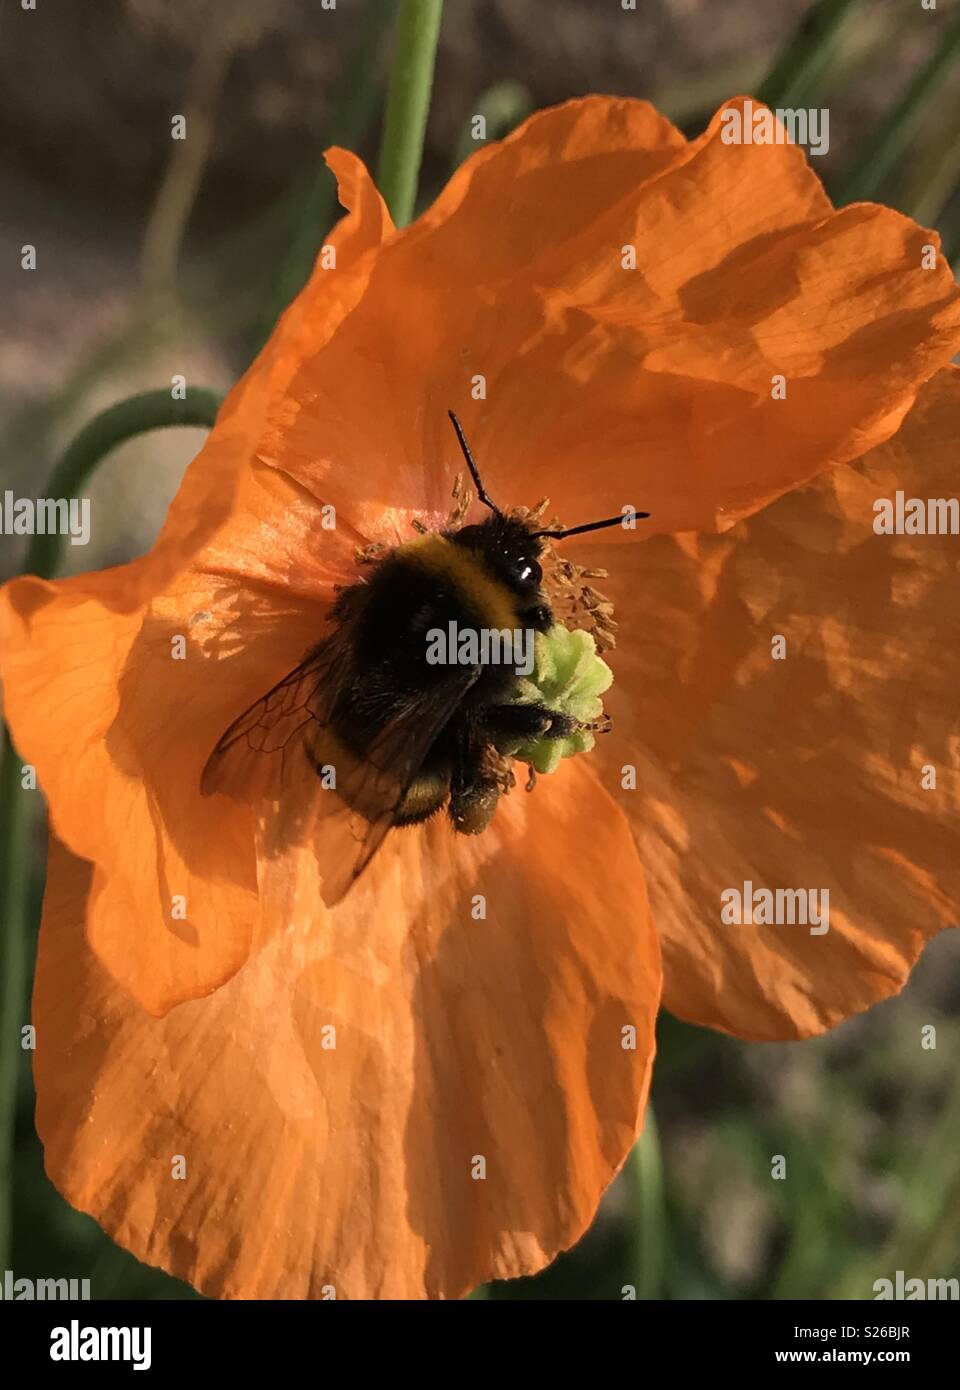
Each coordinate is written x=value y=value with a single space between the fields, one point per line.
x=284 y=756
x=303 y=700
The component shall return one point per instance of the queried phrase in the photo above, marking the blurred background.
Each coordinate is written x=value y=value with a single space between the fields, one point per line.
x=158 y=257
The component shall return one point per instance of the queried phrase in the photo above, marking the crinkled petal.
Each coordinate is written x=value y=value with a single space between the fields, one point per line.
x=834 y=768
x=426 y=1088
x=107 y=677
x=761 y=337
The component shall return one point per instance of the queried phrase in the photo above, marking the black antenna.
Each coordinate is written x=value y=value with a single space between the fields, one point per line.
x=590 y=526
x=474 y=472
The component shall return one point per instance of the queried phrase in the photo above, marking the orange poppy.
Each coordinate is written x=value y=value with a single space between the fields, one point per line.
x=394 y=1097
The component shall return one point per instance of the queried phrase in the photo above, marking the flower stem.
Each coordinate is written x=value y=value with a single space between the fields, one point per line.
x=408 y=102
x=148 y=411
x=647 y=1168
x=888 y=144
x=151 y=410
x=801 y=63
x=14 y=835
x=502 y=106
x=354 y=107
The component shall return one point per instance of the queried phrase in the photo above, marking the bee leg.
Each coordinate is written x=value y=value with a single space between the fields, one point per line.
x=528 y=721
x=520 y=721
x=472 y=807
x=561 y=725
x=474 y=789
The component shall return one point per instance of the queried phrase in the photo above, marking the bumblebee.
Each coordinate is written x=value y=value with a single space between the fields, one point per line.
x=367 y=734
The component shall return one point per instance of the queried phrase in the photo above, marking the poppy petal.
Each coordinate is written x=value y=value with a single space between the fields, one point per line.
x=827 y=762
x=760 y=338
x=97 y=695
x=483 y=1081
x=119 y=740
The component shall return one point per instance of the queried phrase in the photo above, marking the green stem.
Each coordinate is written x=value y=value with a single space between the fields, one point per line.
x=951 y=248
x=408 y=103
x=502 y=106
x=14 y=835
x=354 y=107
x=893 y=135
x=805 y=57
x=647 y=1166
x=149 y=411
x=928 y=185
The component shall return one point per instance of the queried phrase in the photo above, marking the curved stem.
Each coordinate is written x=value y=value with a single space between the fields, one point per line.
x=408 y=103
x=148 y=411
x=151 y=410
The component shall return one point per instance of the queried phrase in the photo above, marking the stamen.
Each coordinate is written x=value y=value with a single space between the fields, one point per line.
x=462 y=502
x=577 y=604
x=370 y=554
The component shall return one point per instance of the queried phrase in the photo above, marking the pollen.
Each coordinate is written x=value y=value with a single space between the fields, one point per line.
x=576 y=604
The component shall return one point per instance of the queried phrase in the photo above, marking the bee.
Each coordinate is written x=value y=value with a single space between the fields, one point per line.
x=366 y=734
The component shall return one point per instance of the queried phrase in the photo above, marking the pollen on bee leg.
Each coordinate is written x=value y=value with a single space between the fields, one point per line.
x=472 y=812
x=498 y=769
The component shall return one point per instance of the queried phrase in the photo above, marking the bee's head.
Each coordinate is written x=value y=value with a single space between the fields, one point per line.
x=509 y=549
x=510 y=552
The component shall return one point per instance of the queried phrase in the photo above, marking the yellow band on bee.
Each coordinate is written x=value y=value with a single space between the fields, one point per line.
x=490 y=599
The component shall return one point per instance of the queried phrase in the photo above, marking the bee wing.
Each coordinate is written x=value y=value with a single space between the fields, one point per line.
x=301 y=701
x=352 y=822
x=279 y=753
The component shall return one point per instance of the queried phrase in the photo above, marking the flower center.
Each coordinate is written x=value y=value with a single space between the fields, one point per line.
x=573 y=599
x=569 y=676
